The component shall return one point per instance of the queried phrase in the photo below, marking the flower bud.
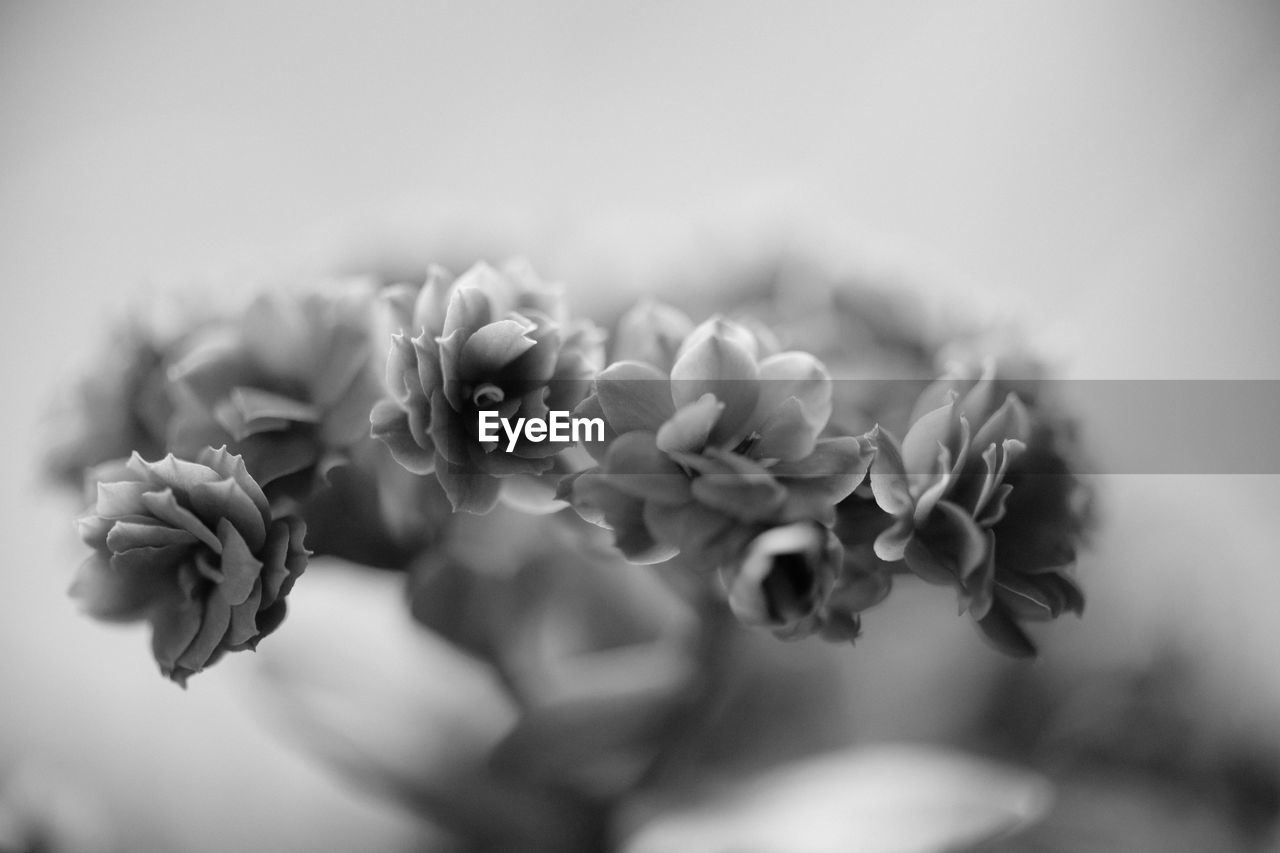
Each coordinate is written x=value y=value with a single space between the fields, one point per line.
x=785 y=577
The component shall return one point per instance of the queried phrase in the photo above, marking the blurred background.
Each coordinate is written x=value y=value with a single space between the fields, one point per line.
x=1106 y=172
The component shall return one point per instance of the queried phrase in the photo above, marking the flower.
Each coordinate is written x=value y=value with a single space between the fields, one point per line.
x=1046 y=517
x=122 y=404
x=949 y=490
x=597 y=658
x=944 y=485
x=703 y=458
x=798 y=579
x=652 y=332
x=192 y=548
x=287 y=385
x=493 y=340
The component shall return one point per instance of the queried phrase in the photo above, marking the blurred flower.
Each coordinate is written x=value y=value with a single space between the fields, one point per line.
x=1046 y=517
x=374 y=512
x=785 y=577
x=498 y=341
x=943 y=485
x=287 y=385
x=949 y=491
x=192 y=548
x=704 y=458
x=597 y=657
x=122 y=404
x=873 y=334
x=652 y=332
x=797 y=580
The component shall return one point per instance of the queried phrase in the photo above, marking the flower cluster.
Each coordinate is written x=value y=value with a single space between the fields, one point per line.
x=767 y=487
x=490 y=341
x=949 y=486
x=719 y=447
x=194 y=549
x=287 y=384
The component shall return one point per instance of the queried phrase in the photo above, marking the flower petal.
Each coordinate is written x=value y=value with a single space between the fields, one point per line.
x=1003 y=631
x=102 y=592
x=828 y=475
x=432 y=302
x=651 y=332
x=148 y=563
x=596 y=500
x=448 y=432
x=738 y=487
x=795 y=375
x=920 y=445
x=127 y=535
x=725 y=329
x=164 y=505
x=535 y=367
x=698 y=531
x=214 y=623
x=119 y=499
x=787 y=434
x=254 y=404
x=173 y=628
x=934 y=488
x=634 y=395
x=469 y=305
x=949 y=549
x=494 y=347
x=232 y=466
x=240 y=569
x=1010 y=421
x=688 y=429
x=636 y=466
x=177 y=474
x=390 y=425
x=891 y=543
x=468 y=490
x=271 y=457
x=227 y=501
x=888 y=475
x=244 y=619
x=722 y=366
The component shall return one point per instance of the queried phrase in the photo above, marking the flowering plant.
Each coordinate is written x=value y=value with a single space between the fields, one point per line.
x=743 y=458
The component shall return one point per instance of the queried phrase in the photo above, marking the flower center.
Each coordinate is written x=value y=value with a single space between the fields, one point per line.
x=747 y=444
x=487 y=396
x=788 y=587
